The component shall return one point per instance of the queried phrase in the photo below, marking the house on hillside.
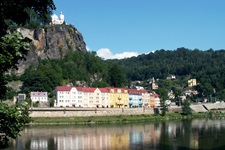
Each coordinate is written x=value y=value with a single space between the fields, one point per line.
x=192 y=82
x=171 y=77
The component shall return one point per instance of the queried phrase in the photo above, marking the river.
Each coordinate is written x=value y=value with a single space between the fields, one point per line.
x=167 y=135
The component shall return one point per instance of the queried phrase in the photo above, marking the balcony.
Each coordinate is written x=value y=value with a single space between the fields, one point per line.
x=118 y=102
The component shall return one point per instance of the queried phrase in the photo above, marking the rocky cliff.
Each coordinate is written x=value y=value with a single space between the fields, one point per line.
x=51 y=42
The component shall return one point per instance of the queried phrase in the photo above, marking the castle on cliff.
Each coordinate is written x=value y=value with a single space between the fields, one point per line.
x=57 y=20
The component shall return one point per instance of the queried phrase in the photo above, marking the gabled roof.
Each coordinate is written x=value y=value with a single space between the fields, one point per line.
x=63 y=88
x=104 y=90
x=91 y=90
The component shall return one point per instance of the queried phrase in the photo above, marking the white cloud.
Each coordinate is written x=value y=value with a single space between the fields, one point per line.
x=107 y=54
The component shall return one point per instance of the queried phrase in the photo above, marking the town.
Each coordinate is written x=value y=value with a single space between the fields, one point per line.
x=108 y=97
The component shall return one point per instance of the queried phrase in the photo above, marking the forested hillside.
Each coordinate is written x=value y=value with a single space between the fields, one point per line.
x=87 y=69
x=208 y=67
x=77 y=69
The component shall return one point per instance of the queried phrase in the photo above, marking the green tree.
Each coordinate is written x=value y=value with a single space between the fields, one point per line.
x=177 y=93
x=186 y=107
x=13 y=47
x=163 y=93
x=116 y=76
x=12 y=121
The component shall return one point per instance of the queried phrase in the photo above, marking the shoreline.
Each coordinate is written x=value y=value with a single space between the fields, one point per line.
x=120 y=118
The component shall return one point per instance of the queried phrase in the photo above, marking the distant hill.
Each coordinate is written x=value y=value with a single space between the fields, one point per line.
x=51 y=42
x=207 y=67
x=180 y=62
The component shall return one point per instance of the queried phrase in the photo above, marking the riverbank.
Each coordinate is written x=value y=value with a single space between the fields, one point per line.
x=120 y=118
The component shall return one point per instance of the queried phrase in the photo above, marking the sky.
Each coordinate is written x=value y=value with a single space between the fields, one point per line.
x=125 y=28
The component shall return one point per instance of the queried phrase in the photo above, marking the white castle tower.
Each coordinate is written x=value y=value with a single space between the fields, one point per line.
x=57 y=20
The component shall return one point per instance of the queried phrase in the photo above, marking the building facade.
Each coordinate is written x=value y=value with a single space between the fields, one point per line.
x=39 y=96
x=118 y=97
x=67 y=96
x=57 y=20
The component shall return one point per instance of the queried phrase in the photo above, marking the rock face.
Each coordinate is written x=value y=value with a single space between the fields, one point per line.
x=52 y=42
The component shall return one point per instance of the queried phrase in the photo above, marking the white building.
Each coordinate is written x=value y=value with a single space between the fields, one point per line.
x=39 y=96
x=67 y=96
x=57 y=20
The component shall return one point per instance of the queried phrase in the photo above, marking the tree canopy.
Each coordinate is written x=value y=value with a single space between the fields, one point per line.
x=13 y=47
x=207 y=67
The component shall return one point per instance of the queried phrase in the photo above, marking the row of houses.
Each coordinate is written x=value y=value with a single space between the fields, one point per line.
x=69 y=96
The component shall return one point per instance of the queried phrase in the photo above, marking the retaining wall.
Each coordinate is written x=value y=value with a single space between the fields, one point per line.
x=76 y=112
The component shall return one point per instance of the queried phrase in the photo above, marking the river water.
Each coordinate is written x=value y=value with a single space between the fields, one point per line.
x=167 y=135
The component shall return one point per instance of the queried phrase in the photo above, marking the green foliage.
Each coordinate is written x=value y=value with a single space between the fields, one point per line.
x=24 y=12
x=207 y=67
x=76 y=66
x=12 y=48
x=12 y=121
x=10 y=93
x=186 y=108
x=116 y=77
x=163 y=97
x=51 y=102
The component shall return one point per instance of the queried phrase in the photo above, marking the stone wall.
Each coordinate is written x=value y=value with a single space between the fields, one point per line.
x=85 y=112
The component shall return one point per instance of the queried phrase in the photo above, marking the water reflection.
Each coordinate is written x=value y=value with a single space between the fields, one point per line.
x=171 y=135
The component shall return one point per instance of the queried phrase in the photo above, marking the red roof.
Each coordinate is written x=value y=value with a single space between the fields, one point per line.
x=154 y=95
x=79 y=88
x=63 y=88
x=91 y=90
x=135 y=91
x=104 y=90
x=117 y=89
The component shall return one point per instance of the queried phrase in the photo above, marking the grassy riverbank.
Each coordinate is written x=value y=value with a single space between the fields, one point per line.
x=120 y=118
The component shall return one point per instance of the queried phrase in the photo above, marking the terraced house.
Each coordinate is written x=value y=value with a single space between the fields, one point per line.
x=137 y=97
x=68 y=96
x=119 y=97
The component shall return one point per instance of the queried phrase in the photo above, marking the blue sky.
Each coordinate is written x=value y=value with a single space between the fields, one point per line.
x=125 y=28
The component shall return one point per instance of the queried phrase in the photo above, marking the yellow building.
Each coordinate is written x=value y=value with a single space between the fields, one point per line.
x=192 y=82
x=119 y=97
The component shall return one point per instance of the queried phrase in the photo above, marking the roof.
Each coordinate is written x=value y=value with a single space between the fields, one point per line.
x=137 y=92
x=117 y=89
x=38 y=94
x=91 y=90
x=154 y=95
x=63 y=88
x=104 y=90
